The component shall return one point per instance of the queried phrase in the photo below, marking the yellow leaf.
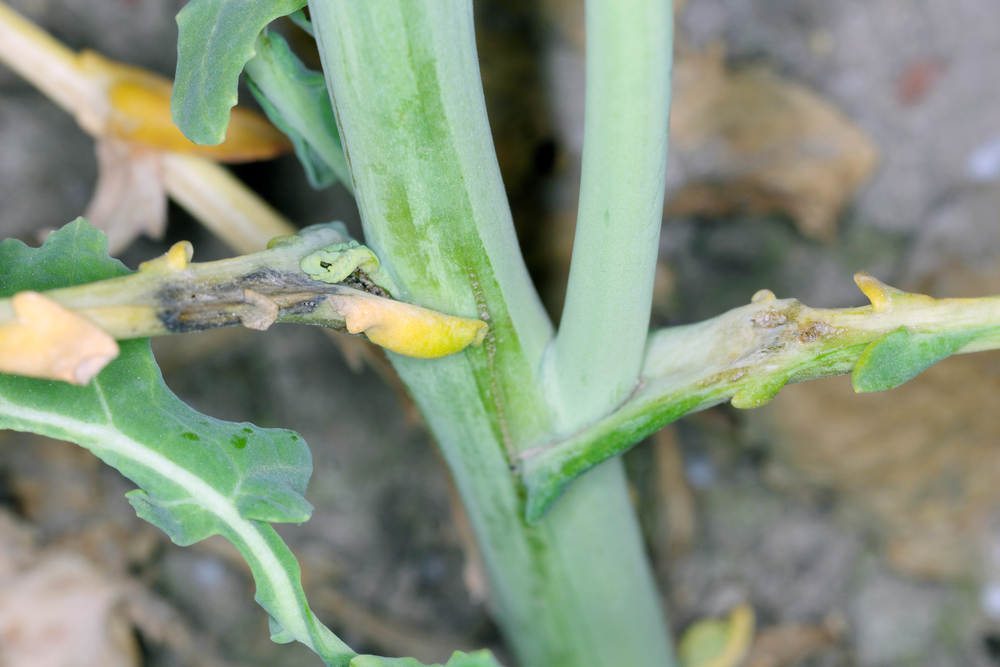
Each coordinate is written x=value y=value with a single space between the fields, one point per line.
x=718 y=643
x=127 y=109
x=46 y=340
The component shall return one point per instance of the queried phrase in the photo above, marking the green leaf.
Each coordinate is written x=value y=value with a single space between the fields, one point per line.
x=23 y=268
x=298 y=17
x=900 y=356
x=477 y=659
x=296 y=100
x=216 y=39
x=198 y=476
x=702 y=642
x=759 y=391
x=278 y=634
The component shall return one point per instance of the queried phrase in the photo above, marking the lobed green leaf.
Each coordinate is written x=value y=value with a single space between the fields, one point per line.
x=216 y=39
x=197 y=476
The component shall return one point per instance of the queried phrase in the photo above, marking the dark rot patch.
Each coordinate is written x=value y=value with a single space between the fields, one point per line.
x=239 y=441
x=264 y=276
x=189 y=320
x=359 y=280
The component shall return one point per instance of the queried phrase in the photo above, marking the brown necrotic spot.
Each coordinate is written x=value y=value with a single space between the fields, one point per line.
x=814 y=332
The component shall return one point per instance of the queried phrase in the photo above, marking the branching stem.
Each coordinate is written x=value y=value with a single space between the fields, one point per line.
x=748 y=354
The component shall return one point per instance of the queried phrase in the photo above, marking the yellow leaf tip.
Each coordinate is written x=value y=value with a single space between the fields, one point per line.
x=481 y=328
x=175 y=259
x=278 y=241
x=877 y=292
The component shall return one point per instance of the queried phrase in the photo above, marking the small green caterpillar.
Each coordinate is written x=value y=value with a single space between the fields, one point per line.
x=335 y=264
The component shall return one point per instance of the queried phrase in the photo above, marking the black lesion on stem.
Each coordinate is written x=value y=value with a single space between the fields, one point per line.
x=359 y=280
x=186 y=307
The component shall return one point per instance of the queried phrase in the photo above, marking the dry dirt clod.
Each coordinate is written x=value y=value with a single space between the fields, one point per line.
x=917 y=463
x=63 y=612
x=786 y=644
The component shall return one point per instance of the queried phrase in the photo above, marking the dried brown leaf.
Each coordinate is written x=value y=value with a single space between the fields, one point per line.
x=130 y=198
x=786 y=644
x=749 y=140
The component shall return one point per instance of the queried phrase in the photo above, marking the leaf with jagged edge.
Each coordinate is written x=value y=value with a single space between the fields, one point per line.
x=296 y=100
x=481 y=658
x=901 y=355
x=198 y=476
x=216 y=39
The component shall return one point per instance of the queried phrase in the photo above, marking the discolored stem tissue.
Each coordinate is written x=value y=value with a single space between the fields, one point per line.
x=170 y=294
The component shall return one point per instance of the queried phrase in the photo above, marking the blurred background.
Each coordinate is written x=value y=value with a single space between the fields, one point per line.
x=809 y=140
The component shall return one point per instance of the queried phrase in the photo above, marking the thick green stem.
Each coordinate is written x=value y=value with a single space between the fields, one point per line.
x=574 y=590
x=595 y=359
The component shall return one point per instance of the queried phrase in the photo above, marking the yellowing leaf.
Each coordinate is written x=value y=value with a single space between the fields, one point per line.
x=46 y=340
x=140 y=114
x=718 y=643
